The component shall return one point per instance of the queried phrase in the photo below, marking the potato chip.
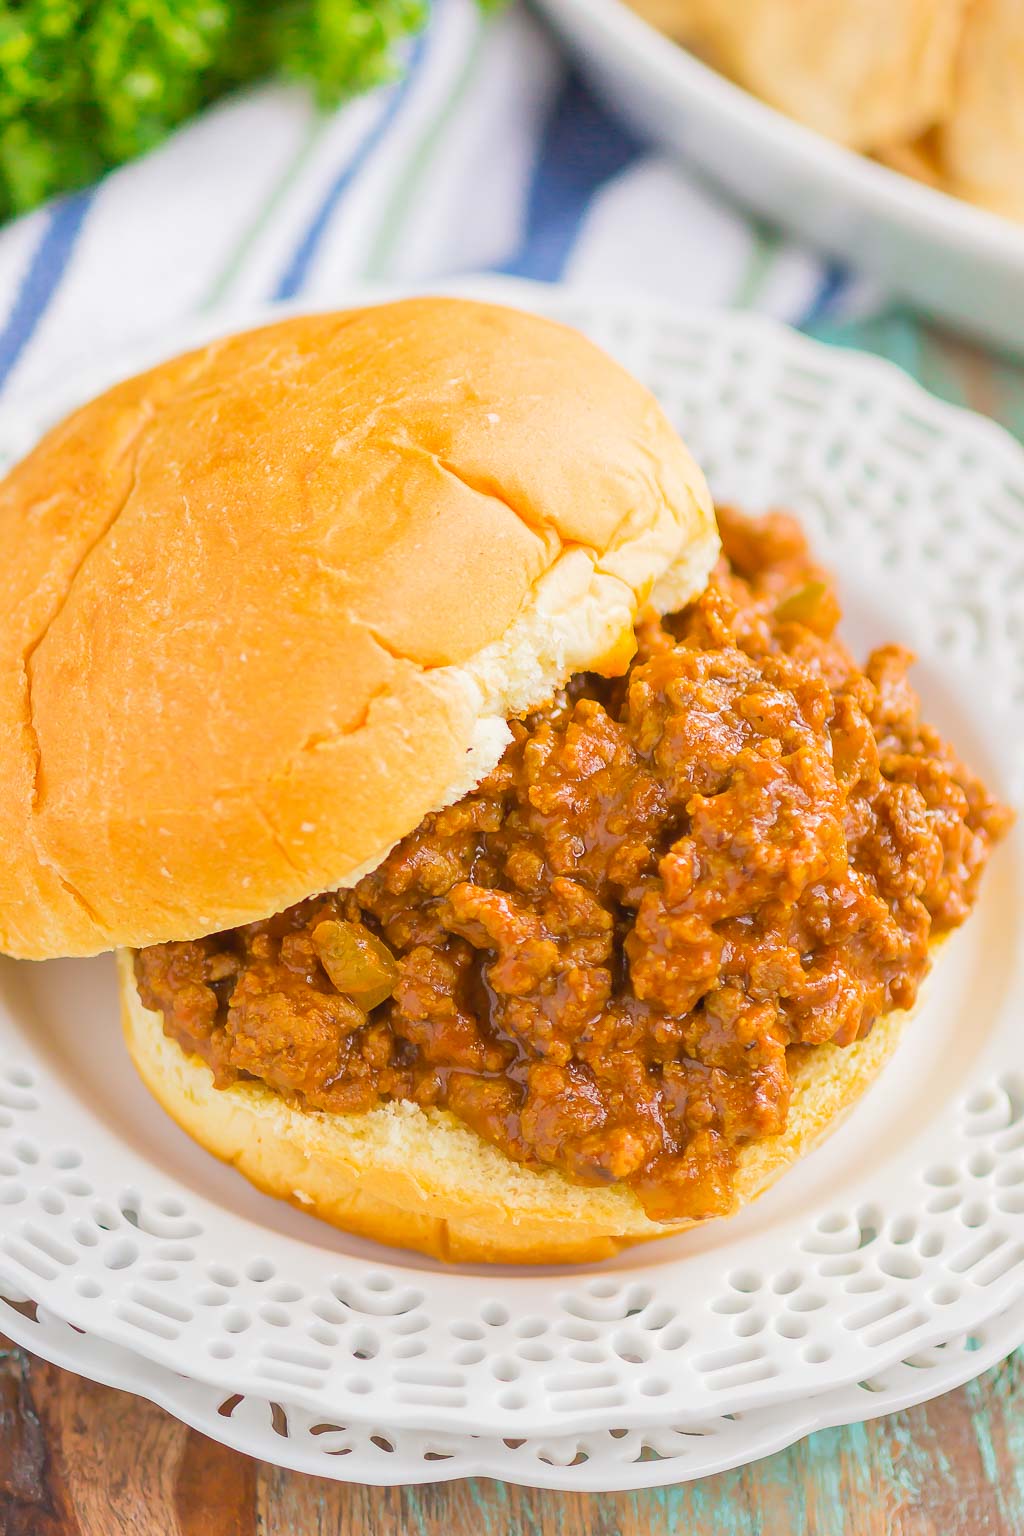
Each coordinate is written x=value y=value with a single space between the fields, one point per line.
x=982 y=143
x=870 y=74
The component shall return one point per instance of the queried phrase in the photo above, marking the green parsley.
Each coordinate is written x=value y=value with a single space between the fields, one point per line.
x=87 y=84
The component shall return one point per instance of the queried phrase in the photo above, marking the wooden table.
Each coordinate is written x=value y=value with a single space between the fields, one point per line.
x=82 y=1460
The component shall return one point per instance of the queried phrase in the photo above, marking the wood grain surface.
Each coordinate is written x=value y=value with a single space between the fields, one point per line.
x=81 y=1460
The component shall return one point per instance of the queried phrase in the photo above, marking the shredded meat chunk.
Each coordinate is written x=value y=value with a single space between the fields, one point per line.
x=603 y=954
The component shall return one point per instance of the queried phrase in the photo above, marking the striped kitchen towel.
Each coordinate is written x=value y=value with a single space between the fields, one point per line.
x=488 y=153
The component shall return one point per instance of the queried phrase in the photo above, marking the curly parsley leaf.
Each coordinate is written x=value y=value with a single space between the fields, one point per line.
x=86 y=84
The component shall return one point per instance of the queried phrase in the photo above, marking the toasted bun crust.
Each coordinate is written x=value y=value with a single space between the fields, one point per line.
x=264 y=607
x=421 y=1179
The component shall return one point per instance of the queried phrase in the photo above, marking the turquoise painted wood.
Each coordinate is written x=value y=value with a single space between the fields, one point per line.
x=950 y=367
x=82 y=1460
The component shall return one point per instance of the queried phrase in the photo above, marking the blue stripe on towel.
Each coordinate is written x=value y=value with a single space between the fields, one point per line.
x=298 y=268
x=834 y=280
x=581 y=148
x=42 y=277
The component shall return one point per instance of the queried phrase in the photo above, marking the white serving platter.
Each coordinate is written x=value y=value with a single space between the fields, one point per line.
x=599 y=1462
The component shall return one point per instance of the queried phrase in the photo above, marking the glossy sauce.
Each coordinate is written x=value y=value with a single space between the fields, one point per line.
x=605 y=951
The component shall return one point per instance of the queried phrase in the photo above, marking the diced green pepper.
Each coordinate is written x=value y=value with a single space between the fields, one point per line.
x=804 y=606
x=359 y=963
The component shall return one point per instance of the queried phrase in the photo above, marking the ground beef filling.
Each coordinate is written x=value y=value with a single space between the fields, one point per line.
x=600 y=958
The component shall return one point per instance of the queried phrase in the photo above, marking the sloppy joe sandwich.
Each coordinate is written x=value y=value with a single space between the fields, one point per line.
x=505 y=860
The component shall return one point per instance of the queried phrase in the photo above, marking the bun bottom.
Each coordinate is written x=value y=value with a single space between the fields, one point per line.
x=421 y=1179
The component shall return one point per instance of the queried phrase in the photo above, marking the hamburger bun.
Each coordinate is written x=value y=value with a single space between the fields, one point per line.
x=268 y=604
x=424 y=1180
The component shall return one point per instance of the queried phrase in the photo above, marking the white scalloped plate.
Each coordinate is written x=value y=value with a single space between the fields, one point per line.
x=905 y=1228
x=599 y=1462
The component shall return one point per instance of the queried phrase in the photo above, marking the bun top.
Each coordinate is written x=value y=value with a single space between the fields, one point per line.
x=265 y=606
